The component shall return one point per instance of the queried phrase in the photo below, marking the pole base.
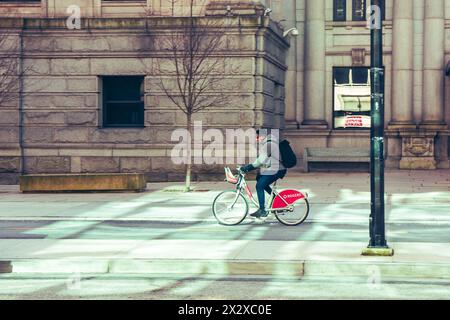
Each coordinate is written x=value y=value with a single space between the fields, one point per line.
x=378 y=252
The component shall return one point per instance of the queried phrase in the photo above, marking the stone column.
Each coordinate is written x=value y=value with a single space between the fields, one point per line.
x=419 y=147
x=433 y=74
x=300 y=61
x=402 y=66
x=315 y=65
x=291 y=74
x=419 y=14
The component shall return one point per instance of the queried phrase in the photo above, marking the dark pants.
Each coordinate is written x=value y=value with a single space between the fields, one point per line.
x=263 y=184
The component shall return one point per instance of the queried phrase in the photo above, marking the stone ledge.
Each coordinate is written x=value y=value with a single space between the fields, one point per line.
x=82 y=182
x=249 y=18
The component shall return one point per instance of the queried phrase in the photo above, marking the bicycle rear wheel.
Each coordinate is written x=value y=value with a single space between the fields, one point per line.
x=230 y=208
x=295 y=217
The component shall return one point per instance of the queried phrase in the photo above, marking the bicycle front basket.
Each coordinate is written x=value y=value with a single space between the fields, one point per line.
x=230 y=177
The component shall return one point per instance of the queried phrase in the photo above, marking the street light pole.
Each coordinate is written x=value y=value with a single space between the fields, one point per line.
x=378 y=244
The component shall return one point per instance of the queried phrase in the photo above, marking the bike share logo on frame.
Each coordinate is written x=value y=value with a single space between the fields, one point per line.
x=218 y=147
x=296 y=195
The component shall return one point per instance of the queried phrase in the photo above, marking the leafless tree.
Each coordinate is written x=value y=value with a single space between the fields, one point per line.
x=194 y=57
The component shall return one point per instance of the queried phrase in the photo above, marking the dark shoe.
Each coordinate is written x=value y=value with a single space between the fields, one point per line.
x=259 y=214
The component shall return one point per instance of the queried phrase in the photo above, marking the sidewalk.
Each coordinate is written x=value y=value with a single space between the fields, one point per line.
x=415 y=196
x=419 y=197
x=219 y=257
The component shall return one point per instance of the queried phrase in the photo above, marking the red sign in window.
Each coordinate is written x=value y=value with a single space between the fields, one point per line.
x=354 y=121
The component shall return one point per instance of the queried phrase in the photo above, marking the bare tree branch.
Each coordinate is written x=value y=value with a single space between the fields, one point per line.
x=194 y=49
x=197 y=60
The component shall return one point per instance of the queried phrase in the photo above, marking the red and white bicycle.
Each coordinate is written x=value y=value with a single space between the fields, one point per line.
x=290 y=207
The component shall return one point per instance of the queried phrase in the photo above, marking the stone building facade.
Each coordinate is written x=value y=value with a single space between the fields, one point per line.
x=313 y=86
x=58 y=123
x=334 y=37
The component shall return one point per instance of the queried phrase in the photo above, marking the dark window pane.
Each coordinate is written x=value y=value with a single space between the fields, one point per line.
x=123 y=104
x=359 y=10
x=383 y=10
x=125 y=114
x=342 y=75
x=340 y=10
x=360 y=75
x=123 y=88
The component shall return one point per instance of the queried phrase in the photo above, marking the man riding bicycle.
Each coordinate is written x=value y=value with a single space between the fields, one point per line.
x=271 y=168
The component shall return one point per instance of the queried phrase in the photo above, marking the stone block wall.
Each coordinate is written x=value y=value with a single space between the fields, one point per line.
x=61 y=107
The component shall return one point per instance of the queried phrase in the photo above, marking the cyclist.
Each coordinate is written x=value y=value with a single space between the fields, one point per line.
x=270 y=168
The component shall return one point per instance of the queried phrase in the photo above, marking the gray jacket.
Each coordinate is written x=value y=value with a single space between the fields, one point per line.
x=269 y=159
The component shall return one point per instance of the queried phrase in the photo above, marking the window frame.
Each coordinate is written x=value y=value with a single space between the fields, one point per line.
x=351 y=6
x=354 y=16
x=104 y=103
x=335 y=15
x=364 y=129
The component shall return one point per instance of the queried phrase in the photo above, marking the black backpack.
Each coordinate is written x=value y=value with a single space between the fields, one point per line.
x=288 y=157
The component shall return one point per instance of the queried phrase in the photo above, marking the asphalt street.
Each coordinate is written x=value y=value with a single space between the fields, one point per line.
x=249 y=230
x=131 y=287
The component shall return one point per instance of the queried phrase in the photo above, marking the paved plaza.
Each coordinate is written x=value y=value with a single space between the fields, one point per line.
x=173 y=234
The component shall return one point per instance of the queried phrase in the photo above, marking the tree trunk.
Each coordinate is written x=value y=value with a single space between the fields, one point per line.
x=189 y=154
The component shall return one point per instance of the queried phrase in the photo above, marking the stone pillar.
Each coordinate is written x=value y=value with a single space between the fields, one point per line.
x=291 y=73
x=433 y=75
x=315 y=65
x=97 y=8
x=419 y=14
x=300 y=61
x=402 y=65
x=419 y=146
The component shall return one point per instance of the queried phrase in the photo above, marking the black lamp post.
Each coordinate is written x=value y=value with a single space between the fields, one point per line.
x=378 y=244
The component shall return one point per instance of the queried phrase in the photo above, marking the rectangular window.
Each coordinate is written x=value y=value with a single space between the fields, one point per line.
x=123 y=101
x=359 y=10
x=351 y=98
x=340 y=10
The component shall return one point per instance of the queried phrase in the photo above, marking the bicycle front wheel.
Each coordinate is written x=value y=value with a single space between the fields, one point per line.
x=295 y=217
x=230 y=208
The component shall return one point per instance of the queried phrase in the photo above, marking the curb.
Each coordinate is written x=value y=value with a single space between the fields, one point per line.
x=377 y=269
x=147 y=266
x=289 y=269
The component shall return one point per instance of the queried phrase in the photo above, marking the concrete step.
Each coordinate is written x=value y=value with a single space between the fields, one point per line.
x=191 y=267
